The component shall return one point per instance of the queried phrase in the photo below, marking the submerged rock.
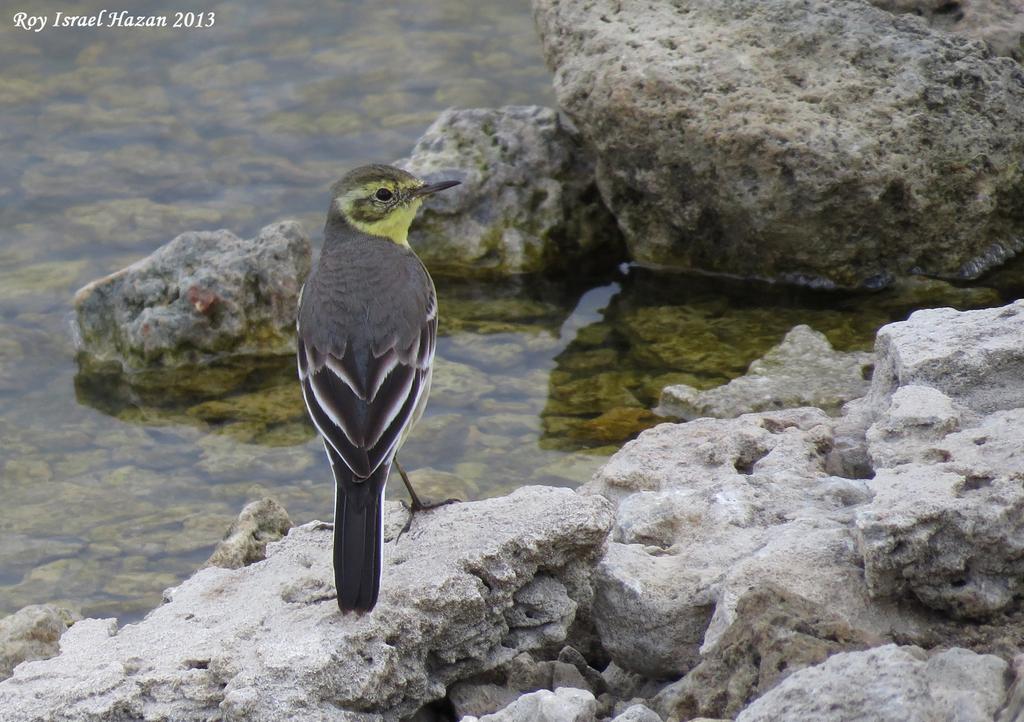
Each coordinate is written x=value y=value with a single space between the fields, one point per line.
x=466 y=589
x=32 y=633
x=803 y=370
x=205 y=296
x=794 y=141
x=527 y=202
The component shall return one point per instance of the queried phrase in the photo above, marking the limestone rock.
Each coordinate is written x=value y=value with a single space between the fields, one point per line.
x=710 y=509
x=205 y=296
x=267 y=642
x=563 y=705
x=889 y=684
x=974 y=357
x=637 y=713
x=793 y=141
x=527 y=201
x=916 y=419
x=775 y=634
x=497 y=689
x=245 y=543
x=1000 y=23
x=803 y=370
x=948 y=528
x=33 y=632
x=940 y=431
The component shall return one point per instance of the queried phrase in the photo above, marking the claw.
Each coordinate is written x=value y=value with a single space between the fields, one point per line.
x=428 y=505
x=417 y=503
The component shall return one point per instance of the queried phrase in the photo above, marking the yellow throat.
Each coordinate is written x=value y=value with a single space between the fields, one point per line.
x=394 y=226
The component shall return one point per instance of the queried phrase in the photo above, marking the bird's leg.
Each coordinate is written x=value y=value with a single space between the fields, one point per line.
x=417 y=504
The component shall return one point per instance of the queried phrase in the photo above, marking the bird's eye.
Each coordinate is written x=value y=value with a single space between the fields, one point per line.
x=383 y=194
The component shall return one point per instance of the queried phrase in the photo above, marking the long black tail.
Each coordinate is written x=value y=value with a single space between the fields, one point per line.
x=358 y=535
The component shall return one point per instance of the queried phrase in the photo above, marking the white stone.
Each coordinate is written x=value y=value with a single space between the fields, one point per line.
x=266 y=642
x=888 y=684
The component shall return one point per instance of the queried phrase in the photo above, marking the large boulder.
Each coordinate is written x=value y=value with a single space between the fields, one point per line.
x=528 y=200
x=205 y=296
x=826 y=143
x=468 y=588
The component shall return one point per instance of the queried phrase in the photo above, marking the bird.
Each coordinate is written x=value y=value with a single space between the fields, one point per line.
x=366 y=334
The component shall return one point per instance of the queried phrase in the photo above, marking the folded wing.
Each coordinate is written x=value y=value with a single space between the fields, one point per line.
x=362 y=399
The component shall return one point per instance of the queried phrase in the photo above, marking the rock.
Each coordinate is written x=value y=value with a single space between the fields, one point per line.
x=563 y=705
x=947 y=529
x=624 y=684
x=1000 y=23
x=267 y=642
x=31 y=633
x=527 y=201
x=803 y=370
x=615 y=425
x=497 y=689
x=205 y=296
x=889 y=684
x=637 y=593
x=940 y=433
x=245 y=543
x=637 y=713
x=471 y=699
x=974 y=357
x=1014 y=709
x=710 y=509
x=775 y=634
x=760 y=138
x=917 y=418
x=458 y=384
x=938 y=370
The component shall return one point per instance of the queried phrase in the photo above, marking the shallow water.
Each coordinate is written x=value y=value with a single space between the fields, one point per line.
x=114 y=141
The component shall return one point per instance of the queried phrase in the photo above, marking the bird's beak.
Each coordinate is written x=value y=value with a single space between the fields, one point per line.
x=433 y=188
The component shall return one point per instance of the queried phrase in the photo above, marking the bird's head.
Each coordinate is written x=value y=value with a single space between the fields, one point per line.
x=381 y=200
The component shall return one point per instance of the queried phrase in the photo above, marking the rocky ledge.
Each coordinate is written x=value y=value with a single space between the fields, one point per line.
x=782 y=565
x=468 y=588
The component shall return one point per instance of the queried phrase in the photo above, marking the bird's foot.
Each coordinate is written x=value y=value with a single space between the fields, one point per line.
x=324 y=526
x=420 y=505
